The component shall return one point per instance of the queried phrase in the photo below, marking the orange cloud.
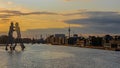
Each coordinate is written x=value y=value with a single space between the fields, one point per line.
x=9 y=13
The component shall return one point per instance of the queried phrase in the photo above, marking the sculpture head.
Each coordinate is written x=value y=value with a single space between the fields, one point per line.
x=12 y=24
x=16 y=24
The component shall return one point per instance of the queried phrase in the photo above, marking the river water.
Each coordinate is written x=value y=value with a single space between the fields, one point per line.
x=48 y=56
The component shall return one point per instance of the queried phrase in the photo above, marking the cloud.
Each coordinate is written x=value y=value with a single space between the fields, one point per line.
x=4 y=20
x=94 y=22
x=9 y=13
x=97 y=17
x=99 y=21
x=5 y=15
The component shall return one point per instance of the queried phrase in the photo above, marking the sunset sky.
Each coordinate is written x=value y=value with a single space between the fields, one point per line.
x=54 y=16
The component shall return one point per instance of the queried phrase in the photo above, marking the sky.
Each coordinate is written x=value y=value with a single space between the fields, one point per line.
x=37 y=17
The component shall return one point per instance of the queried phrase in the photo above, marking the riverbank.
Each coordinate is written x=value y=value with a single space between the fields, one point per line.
x=92 y=47
x=2 y=44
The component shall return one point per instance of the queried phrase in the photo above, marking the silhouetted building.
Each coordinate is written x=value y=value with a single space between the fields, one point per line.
x=57 y=39
x=81 y=41
x=112 y=42
x=96 y=41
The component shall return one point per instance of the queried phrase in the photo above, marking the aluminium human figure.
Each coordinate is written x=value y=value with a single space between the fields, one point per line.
x=10 y=37
x=18 y=39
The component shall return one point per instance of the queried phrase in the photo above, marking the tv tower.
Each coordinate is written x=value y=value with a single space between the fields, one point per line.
x=69 y=30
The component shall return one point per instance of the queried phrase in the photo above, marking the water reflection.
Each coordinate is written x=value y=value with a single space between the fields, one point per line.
x=46 y=56
x=55 y=55
x=14 y=59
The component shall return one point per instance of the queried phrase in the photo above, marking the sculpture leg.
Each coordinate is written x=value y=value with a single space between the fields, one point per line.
x=11 y=42
x=22 y=45
x=14 y=46
x=11 y=46
x=6 y=47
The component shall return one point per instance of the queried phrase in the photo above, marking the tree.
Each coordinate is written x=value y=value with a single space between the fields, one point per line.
x=3 y=39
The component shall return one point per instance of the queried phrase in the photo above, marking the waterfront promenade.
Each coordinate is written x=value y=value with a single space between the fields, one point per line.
x=48 y=56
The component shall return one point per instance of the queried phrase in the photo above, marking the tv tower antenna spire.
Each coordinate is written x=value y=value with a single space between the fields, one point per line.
x=69 y=30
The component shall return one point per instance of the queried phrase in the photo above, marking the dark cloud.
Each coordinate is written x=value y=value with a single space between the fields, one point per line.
x=49 y=13
x=9 y=13
x=5 y=15
x=100 y=21
x=96 y=22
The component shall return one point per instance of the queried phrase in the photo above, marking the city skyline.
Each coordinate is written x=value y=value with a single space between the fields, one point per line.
x=54 y=16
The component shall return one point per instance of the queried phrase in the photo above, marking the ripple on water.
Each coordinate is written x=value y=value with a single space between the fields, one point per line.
x=52 y=55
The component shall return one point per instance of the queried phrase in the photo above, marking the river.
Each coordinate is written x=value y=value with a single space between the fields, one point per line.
x=48 y=56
